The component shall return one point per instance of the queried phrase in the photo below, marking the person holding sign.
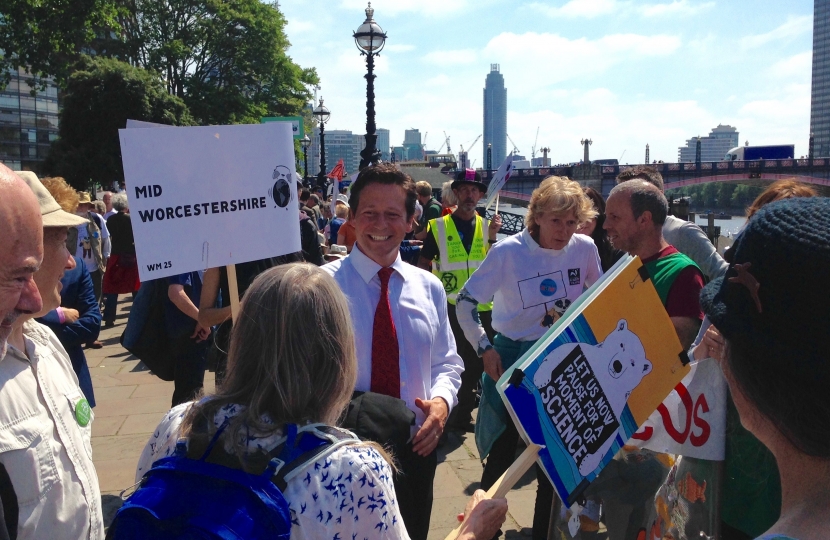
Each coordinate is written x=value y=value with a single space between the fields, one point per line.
x=455 y=247
x=531 y=278
x=405 y=346
x=772 y=346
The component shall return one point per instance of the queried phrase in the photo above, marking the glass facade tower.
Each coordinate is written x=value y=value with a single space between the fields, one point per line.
x=28 y=124
x=820 y=96
x=495 y=116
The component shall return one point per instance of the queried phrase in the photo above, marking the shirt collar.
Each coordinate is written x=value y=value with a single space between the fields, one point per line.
x=368 y=269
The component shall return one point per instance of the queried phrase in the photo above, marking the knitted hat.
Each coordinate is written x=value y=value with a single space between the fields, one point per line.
x=50 y=211
x=469 y=176
x=775 y=292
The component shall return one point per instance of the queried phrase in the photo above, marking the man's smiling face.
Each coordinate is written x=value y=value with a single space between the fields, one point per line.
x=381 y=222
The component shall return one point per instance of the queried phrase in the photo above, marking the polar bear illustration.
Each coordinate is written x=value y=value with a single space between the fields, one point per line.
x=619 y=363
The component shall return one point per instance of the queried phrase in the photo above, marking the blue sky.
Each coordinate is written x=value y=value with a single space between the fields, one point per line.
x=622 y=73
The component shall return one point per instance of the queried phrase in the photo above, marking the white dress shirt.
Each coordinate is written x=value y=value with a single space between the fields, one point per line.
x=430 y=366
x=43 y=445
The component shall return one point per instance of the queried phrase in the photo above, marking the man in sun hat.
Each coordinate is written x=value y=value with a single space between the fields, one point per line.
x=454 y=247
x=45 y=421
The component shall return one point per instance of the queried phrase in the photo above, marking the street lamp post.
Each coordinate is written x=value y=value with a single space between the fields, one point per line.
x=305 y=142
x=322 y=115
x=370 y=39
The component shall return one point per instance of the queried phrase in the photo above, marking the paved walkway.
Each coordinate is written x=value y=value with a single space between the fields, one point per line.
x=131 y=402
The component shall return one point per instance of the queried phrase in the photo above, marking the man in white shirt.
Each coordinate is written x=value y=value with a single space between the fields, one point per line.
x=405 y=347
x=45 y=421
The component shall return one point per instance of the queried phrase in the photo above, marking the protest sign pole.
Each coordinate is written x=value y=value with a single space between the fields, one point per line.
x=233 y=289
x=506 y=482
x=497 y=203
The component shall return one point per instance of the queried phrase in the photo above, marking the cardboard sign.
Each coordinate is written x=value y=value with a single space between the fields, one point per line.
x=295 y=121
x=587 y=385
x=691 y=421
x=202 y=197
x=501 y=177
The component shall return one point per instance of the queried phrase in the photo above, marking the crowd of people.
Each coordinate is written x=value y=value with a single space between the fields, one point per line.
x=370 y=350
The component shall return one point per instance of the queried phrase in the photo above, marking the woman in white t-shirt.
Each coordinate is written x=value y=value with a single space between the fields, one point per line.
x=532 y=278
x=292 y=361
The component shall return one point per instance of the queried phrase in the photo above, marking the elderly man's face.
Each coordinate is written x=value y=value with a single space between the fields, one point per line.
x=21 y=254
x=107 y=198
x=56 y=259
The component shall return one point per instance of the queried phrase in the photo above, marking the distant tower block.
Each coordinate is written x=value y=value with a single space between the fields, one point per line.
x=820 y=95
x=647 y=156
x=495 y=115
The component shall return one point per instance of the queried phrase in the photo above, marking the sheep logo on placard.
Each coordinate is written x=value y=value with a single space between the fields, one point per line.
x=281 y=191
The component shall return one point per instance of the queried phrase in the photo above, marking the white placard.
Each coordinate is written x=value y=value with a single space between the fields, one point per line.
x=202 y=197
x=501 y=177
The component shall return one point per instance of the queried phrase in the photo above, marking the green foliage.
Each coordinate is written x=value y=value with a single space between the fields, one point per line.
x=100 y=96
x=718 y=195
x=47 y=37
x=225 y=58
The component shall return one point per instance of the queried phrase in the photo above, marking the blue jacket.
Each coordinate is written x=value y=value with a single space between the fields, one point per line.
x=77 y=293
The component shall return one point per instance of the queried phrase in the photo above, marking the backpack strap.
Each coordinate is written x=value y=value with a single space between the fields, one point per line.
x=302 y=447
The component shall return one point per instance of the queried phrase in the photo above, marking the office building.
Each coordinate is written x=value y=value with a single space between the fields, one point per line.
x=413 y=150
x=713 y=147
x=28 y=125
x=383 y=144
x=495 y=116
x=340 y=143
x=820 y=95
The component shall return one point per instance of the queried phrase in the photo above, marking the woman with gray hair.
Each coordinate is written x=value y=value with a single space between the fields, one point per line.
x=121 y=276
x=292 y=367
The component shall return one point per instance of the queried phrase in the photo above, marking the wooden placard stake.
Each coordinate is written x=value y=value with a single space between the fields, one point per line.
x=233 y=288
x=497 y=203
x=507 y=480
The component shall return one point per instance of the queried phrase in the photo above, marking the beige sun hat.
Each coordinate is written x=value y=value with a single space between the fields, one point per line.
x=51 y=212
x=84 y=197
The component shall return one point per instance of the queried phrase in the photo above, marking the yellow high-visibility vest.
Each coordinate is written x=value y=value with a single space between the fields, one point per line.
x=454 y=265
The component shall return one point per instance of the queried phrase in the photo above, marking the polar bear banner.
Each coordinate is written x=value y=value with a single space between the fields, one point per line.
x=585 y=388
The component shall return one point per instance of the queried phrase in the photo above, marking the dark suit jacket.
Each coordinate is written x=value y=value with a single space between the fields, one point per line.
x=77 y=293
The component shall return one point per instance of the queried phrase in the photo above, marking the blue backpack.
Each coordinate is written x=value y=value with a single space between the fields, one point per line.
x=181 y=498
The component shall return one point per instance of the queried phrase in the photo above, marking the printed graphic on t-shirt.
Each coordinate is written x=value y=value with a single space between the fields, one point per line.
x=573 y=276
x=547 y=290
x=450 y=282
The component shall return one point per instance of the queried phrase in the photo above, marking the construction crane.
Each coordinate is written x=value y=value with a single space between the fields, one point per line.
x=447 y=137
x=424 y=146
x=474 y=142
x=533 y=149
x=515 y=150
x=443 y=144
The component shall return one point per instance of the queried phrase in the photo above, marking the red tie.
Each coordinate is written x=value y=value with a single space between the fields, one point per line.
x=386 y=370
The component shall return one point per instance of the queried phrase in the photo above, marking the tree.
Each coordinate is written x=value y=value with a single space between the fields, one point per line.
x=47 y=37
x=101 y=95
x=225 y=58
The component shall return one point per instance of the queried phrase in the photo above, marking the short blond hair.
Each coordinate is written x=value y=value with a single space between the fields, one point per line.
x=341 y=210
x=448 y=197
x=558 y=195
x=63 y=193
x=423 y=188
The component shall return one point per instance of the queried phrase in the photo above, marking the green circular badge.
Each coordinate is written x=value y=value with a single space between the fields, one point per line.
x=82 y=412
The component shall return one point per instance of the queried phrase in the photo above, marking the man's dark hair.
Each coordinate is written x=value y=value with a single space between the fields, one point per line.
x=643 y=172
x=386 y=174
x=304 y=194
x=343 y=189
x=644 y=197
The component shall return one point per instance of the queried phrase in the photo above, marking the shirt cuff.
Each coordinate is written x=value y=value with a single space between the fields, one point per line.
x=447 y=394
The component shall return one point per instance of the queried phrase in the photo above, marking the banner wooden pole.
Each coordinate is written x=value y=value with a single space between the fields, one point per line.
x=233 y=288
x=497 y=203
x=507 y=480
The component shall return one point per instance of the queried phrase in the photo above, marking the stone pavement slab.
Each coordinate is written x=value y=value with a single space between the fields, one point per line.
x=131 y=402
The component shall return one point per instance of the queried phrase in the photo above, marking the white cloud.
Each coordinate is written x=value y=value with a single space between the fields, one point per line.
x=578 y=8
x=399 y=47
x=429 y=8
x=551 y=58
x=798 y=67
x=590 y=9
x=794 y=27
x=677 y=8
x=449 y=58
